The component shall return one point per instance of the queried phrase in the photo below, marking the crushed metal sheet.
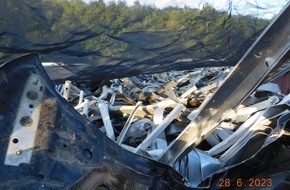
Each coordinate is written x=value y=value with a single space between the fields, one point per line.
x=145 y=113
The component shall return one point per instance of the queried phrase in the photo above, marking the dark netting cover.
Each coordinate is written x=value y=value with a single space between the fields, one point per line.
x=122 y=38
x=217 y=127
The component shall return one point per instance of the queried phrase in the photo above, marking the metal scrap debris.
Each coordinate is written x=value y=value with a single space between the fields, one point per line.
x=144 y=114
x=207 y=124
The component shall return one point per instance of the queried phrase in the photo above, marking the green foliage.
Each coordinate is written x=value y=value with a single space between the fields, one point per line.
x=104 y=28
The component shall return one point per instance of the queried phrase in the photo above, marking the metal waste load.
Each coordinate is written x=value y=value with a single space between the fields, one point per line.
x=196 y=121
x=143 y=114
x=113 y=134
x=207 y=128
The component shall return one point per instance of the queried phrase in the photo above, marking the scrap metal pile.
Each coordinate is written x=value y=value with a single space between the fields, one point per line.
x=144 y=114
x=207 y=128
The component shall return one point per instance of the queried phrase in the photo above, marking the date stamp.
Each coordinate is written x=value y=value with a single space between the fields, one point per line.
x=252 y=182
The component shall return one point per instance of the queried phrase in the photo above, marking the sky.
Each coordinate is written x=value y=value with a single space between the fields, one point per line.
x=261 y=8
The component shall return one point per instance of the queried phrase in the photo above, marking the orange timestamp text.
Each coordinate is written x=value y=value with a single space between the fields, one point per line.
x=252 y=182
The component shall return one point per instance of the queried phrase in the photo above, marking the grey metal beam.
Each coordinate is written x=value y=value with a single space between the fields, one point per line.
x=268 y=51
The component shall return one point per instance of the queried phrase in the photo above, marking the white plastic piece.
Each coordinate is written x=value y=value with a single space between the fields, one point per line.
x=67 y=88
x=86 y=107
x=158 y=116
x=105 y=92
x=79 y=106
x=81 y=98
x=103 y=107
x=188 y=92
